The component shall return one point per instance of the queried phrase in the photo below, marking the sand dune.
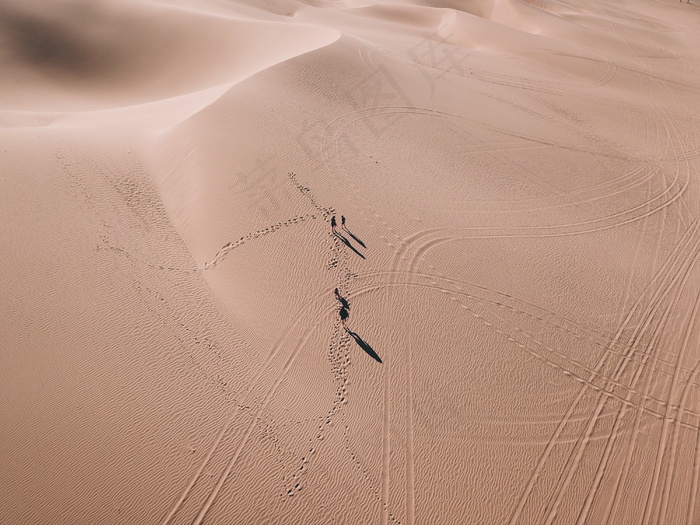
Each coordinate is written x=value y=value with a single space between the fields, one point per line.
x=502 y=328
x=86 y=56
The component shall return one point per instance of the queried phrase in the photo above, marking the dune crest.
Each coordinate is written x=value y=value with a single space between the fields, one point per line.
x=103 y=55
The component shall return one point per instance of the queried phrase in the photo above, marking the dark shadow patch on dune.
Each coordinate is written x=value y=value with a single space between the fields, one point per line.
x=51 y=43
x=363 y=344
x=346 y=230
x=347 y=243
x=353 y=236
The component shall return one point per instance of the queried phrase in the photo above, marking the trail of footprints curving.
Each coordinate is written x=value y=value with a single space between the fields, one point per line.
x=338 y=355
x=162 y=274
x=221 y=254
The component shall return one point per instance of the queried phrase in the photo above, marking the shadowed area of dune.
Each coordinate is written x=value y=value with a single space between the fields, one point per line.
x=93 y=55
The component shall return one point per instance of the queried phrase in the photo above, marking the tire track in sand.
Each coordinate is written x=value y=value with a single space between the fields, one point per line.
x=297 y=347
x=679 y=416
x=660 y=201
x=603 y=464
x=515 y=336
x=649 y=212
x=247 y=392
x=694 y=483
x=622 y=364
x=415 y=110
x=622 y=477
x=660 y=283
x=656 y=334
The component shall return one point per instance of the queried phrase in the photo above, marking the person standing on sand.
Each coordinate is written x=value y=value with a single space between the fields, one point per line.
x=342 y=300
x=333 y=223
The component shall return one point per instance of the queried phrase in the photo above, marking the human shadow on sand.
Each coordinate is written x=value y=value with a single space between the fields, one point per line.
x=345 y=229
x=347 y=243
x=362 y=344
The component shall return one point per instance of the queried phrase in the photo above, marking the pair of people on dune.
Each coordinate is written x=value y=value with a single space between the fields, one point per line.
x=341 y=237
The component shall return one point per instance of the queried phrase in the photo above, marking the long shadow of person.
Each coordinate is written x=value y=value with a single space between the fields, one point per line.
x=362 y=344
x=345 y=228
x=347 y=243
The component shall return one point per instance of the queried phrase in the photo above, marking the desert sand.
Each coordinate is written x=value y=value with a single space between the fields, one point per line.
x=519 y=189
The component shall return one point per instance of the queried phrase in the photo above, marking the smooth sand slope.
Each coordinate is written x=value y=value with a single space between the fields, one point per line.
x=520 y=183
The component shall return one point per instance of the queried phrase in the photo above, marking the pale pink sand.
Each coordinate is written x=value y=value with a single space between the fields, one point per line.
x=523 y=174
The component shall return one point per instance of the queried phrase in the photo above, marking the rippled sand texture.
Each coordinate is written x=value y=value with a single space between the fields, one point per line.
x=524 y=177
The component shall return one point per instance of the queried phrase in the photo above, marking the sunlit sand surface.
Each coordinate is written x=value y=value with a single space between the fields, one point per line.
x=400 y=262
